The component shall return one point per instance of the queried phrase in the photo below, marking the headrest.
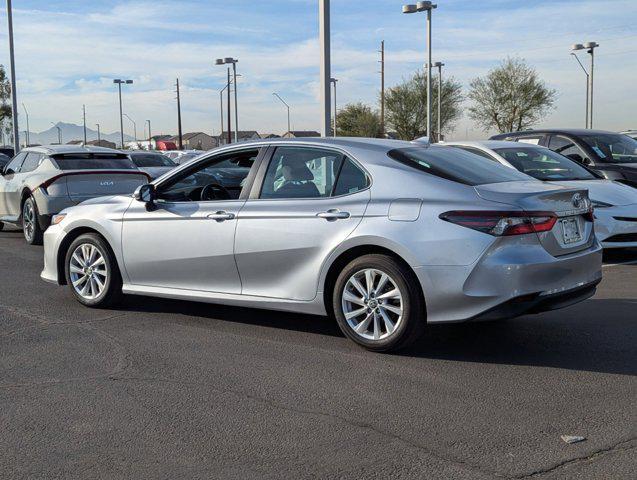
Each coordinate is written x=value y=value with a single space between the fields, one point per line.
x=299 y=171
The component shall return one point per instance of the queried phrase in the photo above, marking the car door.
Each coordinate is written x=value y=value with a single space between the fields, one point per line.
x=309 y=200
x=10 y=185
x=186 y=239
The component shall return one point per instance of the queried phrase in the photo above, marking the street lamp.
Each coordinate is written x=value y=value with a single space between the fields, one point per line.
x=439 y=65
x=59 y=133
x=14 y=100
x=233 y=61
x=326 y=65
x=119 y=83
x=150 y=136
x=587 y=85
x=287 y=106
x=425 y=7
x=99 y=135
x=590 y=48
x=27 y=117
x=134 y=126
x=334 y=81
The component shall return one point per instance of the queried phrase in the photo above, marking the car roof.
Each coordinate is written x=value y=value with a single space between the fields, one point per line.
x=565 y=131
x=68 y=149
x=380 y=144
x=492 y=144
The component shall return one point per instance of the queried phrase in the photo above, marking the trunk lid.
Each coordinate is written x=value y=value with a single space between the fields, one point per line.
x=573 y=230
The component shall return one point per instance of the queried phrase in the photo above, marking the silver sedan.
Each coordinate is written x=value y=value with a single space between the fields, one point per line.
x=385 y=236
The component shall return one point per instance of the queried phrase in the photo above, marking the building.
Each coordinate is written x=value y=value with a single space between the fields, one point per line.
x=301 y=134
x=196 y=141
x=102 y=143
x=267 y=136
x=244 y=136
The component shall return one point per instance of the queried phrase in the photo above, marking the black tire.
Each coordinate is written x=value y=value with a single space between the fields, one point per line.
x=408 y=328
x=112 y=290
x=1 y=226
x=33 y=234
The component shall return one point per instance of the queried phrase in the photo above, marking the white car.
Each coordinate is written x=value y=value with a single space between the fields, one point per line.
x=182 y=156
x=615 y=203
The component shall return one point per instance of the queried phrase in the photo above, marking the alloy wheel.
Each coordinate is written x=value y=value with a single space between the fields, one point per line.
x=28 y=220
x=372 y=304
x=88 y=271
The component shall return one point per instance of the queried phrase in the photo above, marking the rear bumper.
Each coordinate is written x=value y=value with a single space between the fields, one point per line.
x=509 y=272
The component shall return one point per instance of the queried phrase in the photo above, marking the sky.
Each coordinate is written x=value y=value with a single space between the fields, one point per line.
x=69 y=51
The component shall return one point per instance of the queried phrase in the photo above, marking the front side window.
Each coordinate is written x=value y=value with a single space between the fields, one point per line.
x=301 y=172
x=93 y=161
x=455 y=165
x=222 y=177
x=567 y=147
x=544 y=164
x=613 y=147
x=31 y=162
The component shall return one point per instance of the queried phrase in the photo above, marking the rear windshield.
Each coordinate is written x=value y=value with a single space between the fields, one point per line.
x=544 y=164
x=456 y=165
x=145 y=160
x=93 y=161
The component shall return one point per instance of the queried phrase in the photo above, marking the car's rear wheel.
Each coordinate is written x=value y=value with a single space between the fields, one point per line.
x=92 y=272
x=1 y=226
x=378 y=304
x=33 y=234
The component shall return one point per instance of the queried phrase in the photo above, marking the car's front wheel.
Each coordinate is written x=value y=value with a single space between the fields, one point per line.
x=92 y=272
x=378 y=304
x=33 y=234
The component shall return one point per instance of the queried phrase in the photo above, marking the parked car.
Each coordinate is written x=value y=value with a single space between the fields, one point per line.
x=41 y=181
x=4 y=159
x=615 y=204
x=631 y=133
x=182 y=156
x=153 y=163
x=384 y=235
x=8 y=151
x=612 y=154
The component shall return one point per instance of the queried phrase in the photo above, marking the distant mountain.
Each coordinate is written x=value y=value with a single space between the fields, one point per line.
x=69 y=132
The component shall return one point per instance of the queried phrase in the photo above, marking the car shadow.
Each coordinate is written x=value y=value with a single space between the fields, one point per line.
x=595 y=336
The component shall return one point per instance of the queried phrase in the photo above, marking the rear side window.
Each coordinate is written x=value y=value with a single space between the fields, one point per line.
x=456 y=165
x=94 y=161
x=31 y=162
x=351 y=179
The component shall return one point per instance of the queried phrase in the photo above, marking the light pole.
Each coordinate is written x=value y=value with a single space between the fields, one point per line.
x=439 y=65
x=590 y=48
x=99 y=136
x=221 y=107
x=14 y=99
x=233 y=61
x=26 y=114
x=84 y=121
x=59 y=133
x=150 y=136
x=587 y=85
x=287 y=106
x=425 y=7
x=326 y=69
x=334 y=81
x=121 y=114
x=134 y=126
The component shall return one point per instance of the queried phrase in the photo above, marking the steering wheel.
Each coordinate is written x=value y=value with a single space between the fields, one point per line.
x=214 y=191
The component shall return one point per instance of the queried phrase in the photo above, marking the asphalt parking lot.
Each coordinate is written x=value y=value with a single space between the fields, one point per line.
x=168 y=389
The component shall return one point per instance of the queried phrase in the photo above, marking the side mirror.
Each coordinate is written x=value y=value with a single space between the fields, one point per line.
x=145 y=193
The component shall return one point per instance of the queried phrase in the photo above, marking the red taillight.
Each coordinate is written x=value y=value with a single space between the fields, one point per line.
x=502 y=224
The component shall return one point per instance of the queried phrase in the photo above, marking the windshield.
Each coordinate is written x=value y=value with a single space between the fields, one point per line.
x=93 y=161
x=456 y=165
x=186 y=157
x=544 y=164
x=613 y=147
x=144 y=160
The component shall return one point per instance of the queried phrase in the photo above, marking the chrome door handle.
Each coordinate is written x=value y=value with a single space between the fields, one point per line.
x=221 y=216
x=333 y=214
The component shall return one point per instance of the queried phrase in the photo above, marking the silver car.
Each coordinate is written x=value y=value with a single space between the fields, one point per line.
x=41 y=181
x=615 y=203
x=383 y=235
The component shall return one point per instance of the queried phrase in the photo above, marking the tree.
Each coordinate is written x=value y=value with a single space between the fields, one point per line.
x=510 y=97
x=358 y=120
x=406 y=106
x=5 y=107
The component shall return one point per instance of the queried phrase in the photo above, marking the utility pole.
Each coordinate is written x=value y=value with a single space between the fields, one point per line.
x=84 y=119
x=382 y=88
x=119 y=83
x=150 y=136
x=14 y=99
x=28 y=139
x=99 y=136
x=181 y=141
x=334 y=81
x=229 y=112
x=326 y=70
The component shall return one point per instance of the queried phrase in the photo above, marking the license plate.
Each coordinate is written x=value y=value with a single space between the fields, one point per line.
x=570 y=230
